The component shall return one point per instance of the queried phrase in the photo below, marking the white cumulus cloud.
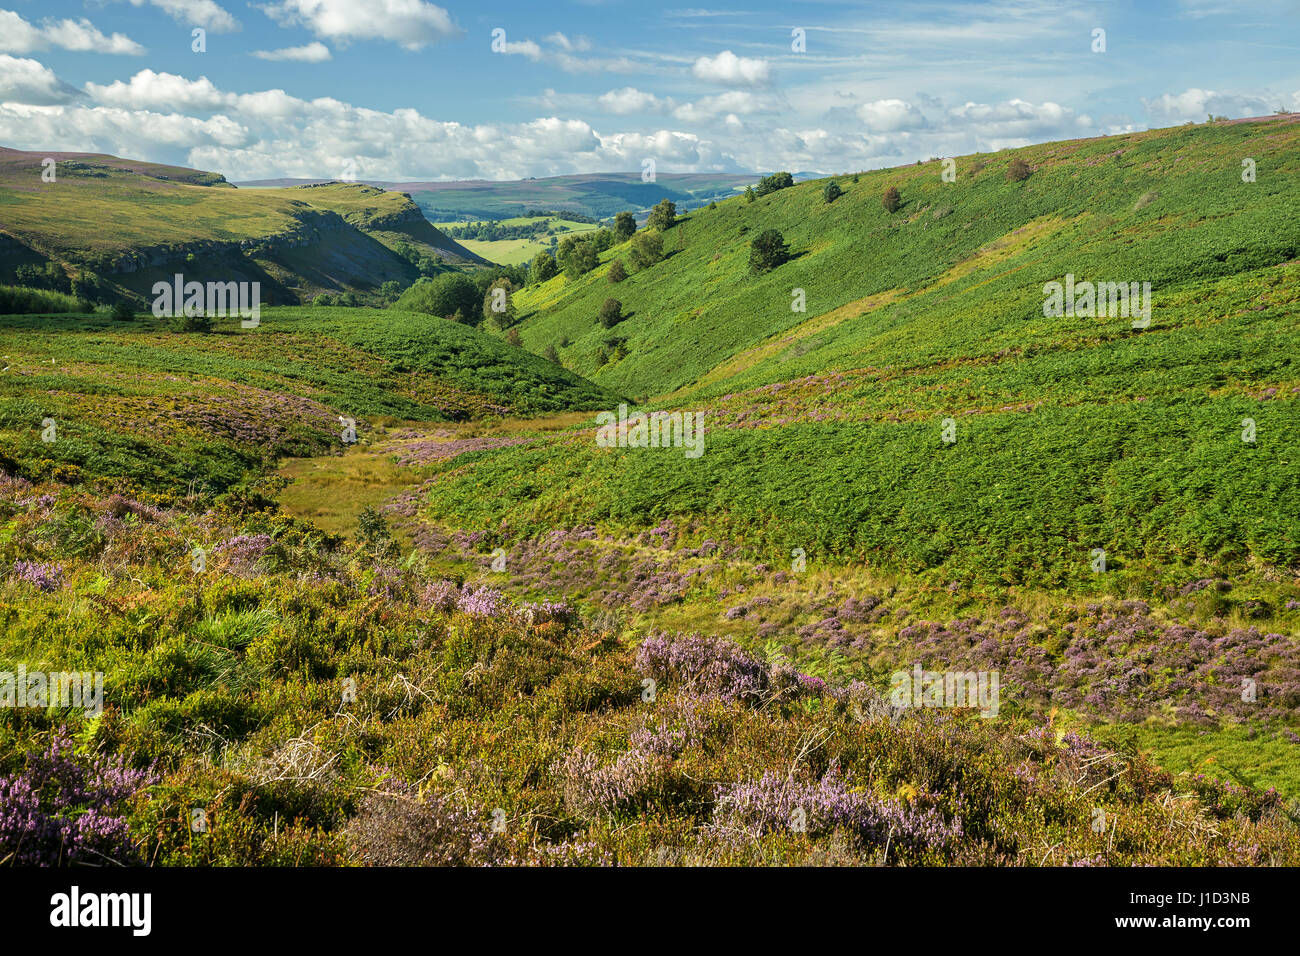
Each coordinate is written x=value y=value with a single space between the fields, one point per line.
x=31 y=82
x=165 y=91
x=629 y=100
x=314 y=52
x=412 y=24
x=19 y=36
x=890 y=116
x=731 y=70
x=195 y=13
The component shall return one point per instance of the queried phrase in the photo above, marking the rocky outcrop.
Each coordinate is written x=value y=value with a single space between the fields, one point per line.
x=311 y=227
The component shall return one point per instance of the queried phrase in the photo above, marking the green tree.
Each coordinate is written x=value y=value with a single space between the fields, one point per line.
x=543 y=267
x=576 y=257
x=551 y=355
x=663 y=215
x=611 y=313
x=647 y=249
x=749 y=194
x=624 y=226
x=891 y=200
x=123 y=312
x=770 y=184
x=832 y=192
x=616 y=271
x=444 y=295
x=190 y=323
x=499 y=306
x=767 y=251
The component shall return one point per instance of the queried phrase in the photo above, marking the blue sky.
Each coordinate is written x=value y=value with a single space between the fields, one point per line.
x=408 y=89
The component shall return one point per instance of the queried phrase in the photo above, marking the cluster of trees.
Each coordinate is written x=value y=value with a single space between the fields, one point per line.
x=576 y=255
x=495 y=231
x=426 y=265
x=770 y=184
x=48 y=275
x=83 y=286
x=558 y=214
x=482 y=299
x=55 y=278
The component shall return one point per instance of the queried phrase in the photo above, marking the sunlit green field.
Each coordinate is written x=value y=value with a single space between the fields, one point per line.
x=521 y=251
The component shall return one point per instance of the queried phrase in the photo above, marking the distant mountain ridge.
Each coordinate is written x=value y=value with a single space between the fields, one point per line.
x=599 y=195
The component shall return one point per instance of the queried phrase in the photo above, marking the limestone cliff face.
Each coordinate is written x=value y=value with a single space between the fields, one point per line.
x=311 y=227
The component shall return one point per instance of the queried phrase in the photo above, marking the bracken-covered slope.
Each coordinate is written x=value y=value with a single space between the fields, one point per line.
x=924 y=415
x=955 y=273
x=131 y=224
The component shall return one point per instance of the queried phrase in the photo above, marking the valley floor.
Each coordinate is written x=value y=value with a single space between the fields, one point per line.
x=1163 y=676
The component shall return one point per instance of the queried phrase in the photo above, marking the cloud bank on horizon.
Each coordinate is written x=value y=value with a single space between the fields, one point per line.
x=413 y=90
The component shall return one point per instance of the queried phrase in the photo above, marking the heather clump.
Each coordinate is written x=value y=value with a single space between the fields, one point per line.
x=433 y=829
x=43 y=577
x=64 y=808
x=628 y=782
x=704 y=667
x=244 y=552
x=776 y=803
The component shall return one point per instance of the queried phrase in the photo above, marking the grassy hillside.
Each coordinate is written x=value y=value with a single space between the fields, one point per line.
x=322 y=703
x=955 y=274
x=131 y=224
x=142 y=407
x=1069 y=434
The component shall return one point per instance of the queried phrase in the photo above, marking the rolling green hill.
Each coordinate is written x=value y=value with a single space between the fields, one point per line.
x=825 y=428
x=129 y=224
x=955 y=274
